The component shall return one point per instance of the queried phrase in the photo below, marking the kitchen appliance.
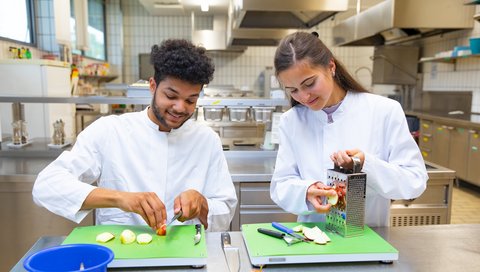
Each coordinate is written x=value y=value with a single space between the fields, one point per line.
x=175 y=249
x=396 y=21
x=347 y=216
x=263 y=250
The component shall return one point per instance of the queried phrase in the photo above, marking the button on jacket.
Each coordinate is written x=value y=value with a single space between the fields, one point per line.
x=374 y=124
x=129 y=153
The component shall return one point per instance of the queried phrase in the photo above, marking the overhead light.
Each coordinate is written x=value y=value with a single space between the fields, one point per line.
x=204 y=6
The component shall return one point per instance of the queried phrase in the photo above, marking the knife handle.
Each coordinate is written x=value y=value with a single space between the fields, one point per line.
x=272 y=233
x=282 y=227
x=226 y=242
x=198 y=228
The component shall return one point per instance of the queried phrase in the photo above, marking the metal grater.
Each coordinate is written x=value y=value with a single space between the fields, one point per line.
x=347 y=217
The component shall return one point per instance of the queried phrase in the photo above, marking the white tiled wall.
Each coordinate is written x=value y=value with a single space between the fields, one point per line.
x=132 y=30
x=141 y=31
x=463 y=75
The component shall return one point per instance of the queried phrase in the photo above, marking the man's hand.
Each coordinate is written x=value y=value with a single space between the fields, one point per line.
x=146 y=204
x=193 y=205
x=315 y=194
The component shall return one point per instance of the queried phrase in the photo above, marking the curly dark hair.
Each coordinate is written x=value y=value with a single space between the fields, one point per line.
x=181 y=59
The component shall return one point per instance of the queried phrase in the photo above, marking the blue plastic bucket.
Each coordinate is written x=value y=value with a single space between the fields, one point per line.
x=475 y=45
x=73 y=257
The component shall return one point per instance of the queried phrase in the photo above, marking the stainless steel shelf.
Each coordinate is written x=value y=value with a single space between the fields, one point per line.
x=142 y=100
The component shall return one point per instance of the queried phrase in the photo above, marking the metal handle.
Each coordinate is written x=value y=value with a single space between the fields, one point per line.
x=282 y=227
x=225 y=239
x=198 y=228
x=272 y=233
x=357 y=164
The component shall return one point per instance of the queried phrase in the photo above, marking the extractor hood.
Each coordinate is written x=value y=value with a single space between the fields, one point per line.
x=396 y=21
x=284 y=13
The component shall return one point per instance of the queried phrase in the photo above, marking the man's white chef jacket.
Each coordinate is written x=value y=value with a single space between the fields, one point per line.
x=374 y=124
x=129 y=153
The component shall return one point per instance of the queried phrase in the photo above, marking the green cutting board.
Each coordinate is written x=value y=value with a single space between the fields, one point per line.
x=259 y=244
x=178 y=243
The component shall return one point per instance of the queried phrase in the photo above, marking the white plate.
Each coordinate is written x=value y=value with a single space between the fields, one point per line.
x=54 y=146
x=11 y=145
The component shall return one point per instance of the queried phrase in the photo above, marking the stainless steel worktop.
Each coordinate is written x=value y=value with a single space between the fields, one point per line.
x=465 y=120
x=421 y=248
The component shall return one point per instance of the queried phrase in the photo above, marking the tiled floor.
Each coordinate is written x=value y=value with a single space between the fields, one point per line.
x=465 y=205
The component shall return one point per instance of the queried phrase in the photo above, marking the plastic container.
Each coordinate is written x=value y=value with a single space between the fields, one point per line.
x=262 y=114
x=73 y=257
x=213 y=113
x=475 y=45
x=238 y=114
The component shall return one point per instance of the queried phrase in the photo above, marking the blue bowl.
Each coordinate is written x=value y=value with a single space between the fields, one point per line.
x=475 y=45
x=70 y=258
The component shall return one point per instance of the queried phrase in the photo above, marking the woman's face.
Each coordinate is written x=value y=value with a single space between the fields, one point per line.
x=310 y=86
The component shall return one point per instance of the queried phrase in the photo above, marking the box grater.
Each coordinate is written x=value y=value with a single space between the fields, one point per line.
x=347 y=217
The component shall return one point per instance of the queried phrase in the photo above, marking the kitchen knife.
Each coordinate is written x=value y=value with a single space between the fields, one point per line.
x=288 y=231
x=280 y=235
x=175 y=217
x=231 y=253
x=198 y=233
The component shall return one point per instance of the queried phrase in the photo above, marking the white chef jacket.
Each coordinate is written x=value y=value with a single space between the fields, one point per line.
x=374 y=124
x=129 y=153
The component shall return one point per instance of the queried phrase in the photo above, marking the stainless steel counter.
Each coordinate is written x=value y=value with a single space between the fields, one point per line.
x=469 y=121
x=421 y=248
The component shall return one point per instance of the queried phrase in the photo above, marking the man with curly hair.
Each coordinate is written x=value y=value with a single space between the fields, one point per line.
x=148 y=165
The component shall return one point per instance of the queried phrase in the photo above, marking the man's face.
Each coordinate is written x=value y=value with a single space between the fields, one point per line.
x=173 y=102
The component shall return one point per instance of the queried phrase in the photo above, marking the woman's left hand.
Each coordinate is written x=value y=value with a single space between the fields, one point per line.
x=343 y=158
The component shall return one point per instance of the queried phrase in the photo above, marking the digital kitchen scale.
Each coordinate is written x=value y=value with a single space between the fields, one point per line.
x=177 y=248
x=263 y=249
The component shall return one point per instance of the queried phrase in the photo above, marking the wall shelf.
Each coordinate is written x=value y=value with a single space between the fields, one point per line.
x=142 y=100
x=447 y=59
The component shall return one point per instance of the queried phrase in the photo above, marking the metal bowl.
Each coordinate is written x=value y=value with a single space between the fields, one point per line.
x=213 y=113
x=263 y=114
x=238 y=114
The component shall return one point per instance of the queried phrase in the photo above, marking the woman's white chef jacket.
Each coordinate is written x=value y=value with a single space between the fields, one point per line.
x=374 y=124
x=129 y=153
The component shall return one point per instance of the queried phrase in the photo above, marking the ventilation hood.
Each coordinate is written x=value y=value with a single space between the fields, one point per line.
x=284 y=13
x=396 y=21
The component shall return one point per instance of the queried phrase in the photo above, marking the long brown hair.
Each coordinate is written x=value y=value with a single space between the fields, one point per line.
x=300 y=46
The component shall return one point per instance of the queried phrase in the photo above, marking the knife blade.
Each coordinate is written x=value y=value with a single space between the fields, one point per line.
x=289 y=231
x=198 y=233
x=175 y=217
x=231 y=253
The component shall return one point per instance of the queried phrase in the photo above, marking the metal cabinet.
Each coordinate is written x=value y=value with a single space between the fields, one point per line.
x=256 y=206
x=473 y=169
x=458 y=151
x=440 y=146
x=433 y=207
x=24 y=222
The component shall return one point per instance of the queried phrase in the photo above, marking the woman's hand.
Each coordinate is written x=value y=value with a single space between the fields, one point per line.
x=343 y=158
x=316 y=194
x=193 y=205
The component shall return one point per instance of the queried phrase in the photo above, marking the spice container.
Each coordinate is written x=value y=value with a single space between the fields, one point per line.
x=238 y=114
x=263 y=114
x=213 y=113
